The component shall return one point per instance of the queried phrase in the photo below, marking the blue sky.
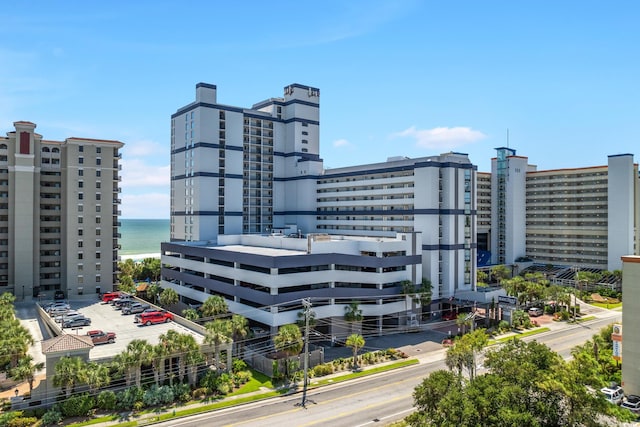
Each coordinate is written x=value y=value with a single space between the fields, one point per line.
x=410 y=78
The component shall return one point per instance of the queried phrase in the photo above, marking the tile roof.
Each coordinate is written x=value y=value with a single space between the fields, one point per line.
x=66 y=342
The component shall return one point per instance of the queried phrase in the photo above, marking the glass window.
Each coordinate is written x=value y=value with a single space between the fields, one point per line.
x=80 y=172
x=98 y=150
x=80 y=160
x=81 y=148
x=98 y=161
x=80 y=184
x=98 y=173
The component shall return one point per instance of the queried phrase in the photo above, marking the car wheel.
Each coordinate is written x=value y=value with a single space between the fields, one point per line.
x=166 y=320
x=148 y=322
x=111 y=341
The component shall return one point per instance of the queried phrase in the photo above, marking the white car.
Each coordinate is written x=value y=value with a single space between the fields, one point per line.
x=67 y=316
x=57 y=306
x=57 y=311
x=632 y=403
x=613 y=394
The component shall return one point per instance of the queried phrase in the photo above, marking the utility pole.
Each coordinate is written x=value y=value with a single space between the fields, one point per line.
x=307 y=312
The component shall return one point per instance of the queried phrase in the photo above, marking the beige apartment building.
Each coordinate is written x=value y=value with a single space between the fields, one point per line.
x=59 y=209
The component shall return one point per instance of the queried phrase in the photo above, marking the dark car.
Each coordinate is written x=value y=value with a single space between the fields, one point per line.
x=121 y=303
x=101 y=337
x=58 y=295
x=134 y=308
x=77 y=322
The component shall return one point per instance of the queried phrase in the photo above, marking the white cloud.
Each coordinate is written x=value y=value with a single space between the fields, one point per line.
x=341 y=143
x=142 y=148
x=441 y=137
x=146 y=206
x=136 y=173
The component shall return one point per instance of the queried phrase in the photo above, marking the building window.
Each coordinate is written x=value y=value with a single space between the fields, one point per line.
x=81 y=148
x=97 y=279
x=97 y=255
x=80 y=243
x=80 y=231
x=80 y=184
x=304 y=150
x=97 y=208
x=80 y=196
x=80 y=256
x=304 y=132
x=97 y=231
x=80 y=208
x=304 y=141
x=98 y=174
x=98 y=185
x=304 y=125
x=80 y=172
x=98 y=196
x=80 y=219
x=97 y=220
x=97 y=243
x=98 y=161
x=81 y=160
x=98 y=150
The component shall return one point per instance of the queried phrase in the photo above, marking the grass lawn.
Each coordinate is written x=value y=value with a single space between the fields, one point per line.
x=609 y=306
x=519 y=335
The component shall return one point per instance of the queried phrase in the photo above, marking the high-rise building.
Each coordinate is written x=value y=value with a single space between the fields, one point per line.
x=239 y=171
x=580 y=217
x=58 y=214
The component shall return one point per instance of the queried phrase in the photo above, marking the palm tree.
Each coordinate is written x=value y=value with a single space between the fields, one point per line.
x=139 y=353
x=464 y=320
x=500 y=272
x=190 y=314
x=69 y=372
x=153 y=291
x=189 y=355
x=97 y=376
x=289 y=341
x=170 y=347
x=26 y=370
x=158 y=357
x=219 y=332
x=356 y=342
x=213 y=306
x=15 y=339
x=353 y=314
x=168 y=297
x=239 y=330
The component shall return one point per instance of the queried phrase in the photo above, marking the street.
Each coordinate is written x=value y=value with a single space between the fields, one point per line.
x=375 y=400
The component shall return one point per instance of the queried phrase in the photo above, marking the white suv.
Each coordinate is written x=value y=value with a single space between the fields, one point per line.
x=613 y=394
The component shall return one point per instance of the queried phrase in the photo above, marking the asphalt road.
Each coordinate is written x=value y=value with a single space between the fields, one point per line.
x=376 y=400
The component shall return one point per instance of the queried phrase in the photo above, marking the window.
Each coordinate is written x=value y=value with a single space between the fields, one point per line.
x=98 y=150
x=304 y=150
x=304 y=132
x=97 y=279
x=98 y=185
x=80 y=208
x=97 y=231
x=97 y=243
x=98 y=208
x=304 y=141
x=80 y=256
x=98 y=174
x=98 y=161
x=80 y=172
x=81 y=148
x=80 y=219
x=97 y=220
x=80 y=196
x=81 y=160
x=80 y=243
x=80 y=232
x=97 y=255
x=80 y=184
x=98 y=196
x=304 y=125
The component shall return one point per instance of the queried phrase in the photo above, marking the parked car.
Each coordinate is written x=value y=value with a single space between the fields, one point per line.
x=614 y=394
x=135 y=307
x=101 y=337
x=110 y=296
x=153 y=317
x=58 y=295
x=632 y=403
x=536 y=311
x=449 y=316
x=67 y=316
x=119 y=303
x=58 y=311
x=76 y=322
x=56 y=305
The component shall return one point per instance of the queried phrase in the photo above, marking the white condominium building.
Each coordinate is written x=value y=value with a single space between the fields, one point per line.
x=583 y=217
x=258 y=171
x=58 y=214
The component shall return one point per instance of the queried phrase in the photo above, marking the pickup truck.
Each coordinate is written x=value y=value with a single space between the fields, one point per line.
x=134 y=308
x=101 y=337
x=153 y=317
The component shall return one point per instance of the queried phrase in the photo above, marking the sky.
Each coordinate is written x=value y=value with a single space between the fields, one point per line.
x=558 y=81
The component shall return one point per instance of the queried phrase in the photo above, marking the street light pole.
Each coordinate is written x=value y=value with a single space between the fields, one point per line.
x=307 y=309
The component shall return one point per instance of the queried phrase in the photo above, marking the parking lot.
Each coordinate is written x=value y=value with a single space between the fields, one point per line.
x=106 y=318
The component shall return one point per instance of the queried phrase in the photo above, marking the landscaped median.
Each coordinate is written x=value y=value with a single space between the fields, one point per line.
x=518 y=335
x=251 y=392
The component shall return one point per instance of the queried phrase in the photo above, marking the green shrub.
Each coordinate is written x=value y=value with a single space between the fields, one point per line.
x=51 y=417
x=224 y=384
x=200 y=393
x=503 y=326
x=239 y=365
x=155 y=395
x=241 y=377
x=182 y=392
x=107 y=400
x=77 y=406
x=321 y=370
x=209 y=381
x=22 y=422
x=127 y=398
x=137 y=406
x=8 y=416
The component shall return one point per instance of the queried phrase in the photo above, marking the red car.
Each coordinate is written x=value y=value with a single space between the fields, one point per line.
x=101 y=337
x=153 y=317
x=110 y=296
x=449 y=316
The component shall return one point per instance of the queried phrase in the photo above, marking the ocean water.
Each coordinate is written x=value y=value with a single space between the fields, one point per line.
x=143 y=236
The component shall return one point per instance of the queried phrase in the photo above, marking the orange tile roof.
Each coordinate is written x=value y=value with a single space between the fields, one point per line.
x=66 y=342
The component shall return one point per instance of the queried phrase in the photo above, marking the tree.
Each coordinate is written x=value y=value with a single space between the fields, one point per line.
x=213 y=306
x=190 y=314
x=353 y=313
x=26 y=370
x=149 y=269
x=428 y=395
x=139 y=353
x=463 y=353
x=219 y=331
x=168 y=297
x=481 y=278
x=288 y=341
x=356 y=342
x=127 y=285
x=69 y=372
x=158 y=357
x=500 y=272
x=464 y=320
x=97 y=376
x=239 y=331
x=153 y=291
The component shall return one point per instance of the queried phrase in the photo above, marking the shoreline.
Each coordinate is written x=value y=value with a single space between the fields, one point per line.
x=139 y=257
